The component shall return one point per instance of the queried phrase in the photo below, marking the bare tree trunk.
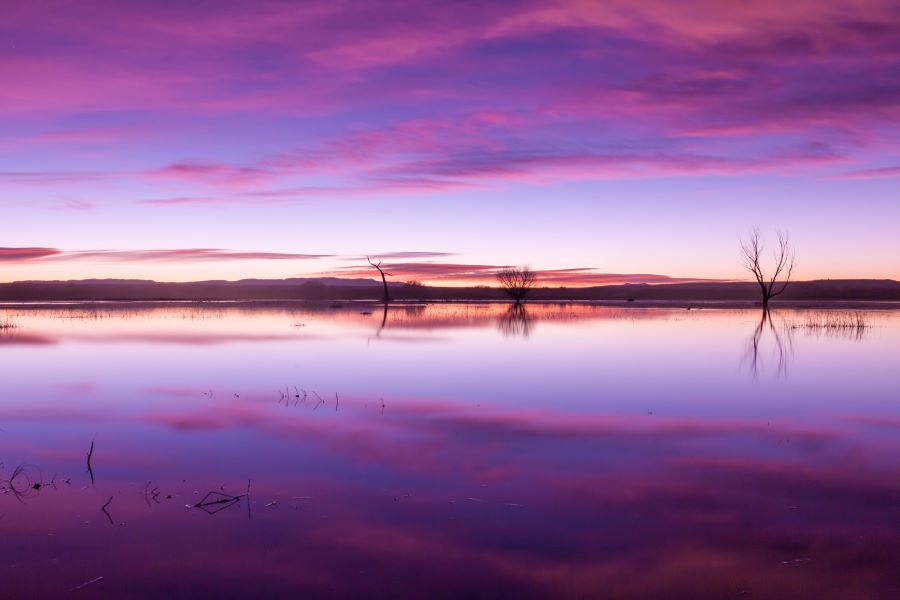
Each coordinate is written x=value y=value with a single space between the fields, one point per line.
x=387 y=296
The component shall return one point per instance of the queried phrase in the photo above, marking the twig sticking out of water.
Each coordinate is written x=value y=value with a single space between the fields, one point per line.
x=151 y=494
x=105 y=512
x=337 y=402
x=214 y=502
x=87 y=583
x=249 y=502
x=217 y=501
x=90 y=455
x=24 y=482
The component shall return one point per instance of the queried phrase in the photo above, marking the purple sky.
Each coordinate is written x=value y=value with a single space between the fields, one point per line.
x=630 y=140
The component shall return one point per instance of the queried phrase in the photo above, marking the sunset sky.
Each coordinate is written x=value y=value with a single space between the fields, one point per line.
x=600 y=142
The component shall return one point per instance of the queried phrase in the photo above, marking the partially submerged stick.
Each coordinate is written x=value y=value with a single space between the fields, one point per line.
x=90 y=455
x=105 y=512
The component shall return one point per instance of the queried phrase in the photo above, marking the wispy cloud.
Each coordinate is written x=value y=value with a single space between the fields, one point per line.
x=74 y=206
x=51 y=178
x=25 y=254
x=89 y=136
x=614 y=90
x=165 y=255
x=405 y=255
x=181 y=255
x=879 y=173
x=461 y=273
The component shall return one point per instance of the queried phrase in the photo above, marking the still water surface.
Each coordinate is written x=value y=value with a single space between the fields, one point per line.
x=448 y=451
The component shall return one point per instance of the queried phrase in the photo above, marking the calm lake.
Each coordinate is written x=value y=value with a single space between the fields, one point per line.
x=448 y=451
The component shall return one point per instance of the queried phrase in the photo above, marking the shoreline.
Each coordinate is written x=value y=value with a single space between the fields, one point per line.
x=339 y=303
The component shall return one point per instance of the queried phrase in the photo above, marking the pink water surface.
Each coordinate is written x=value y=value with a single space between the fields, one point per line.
x=447 y=451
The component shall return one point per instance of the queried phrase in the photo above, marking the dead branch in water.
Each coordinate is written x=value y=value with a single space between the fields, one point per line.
x=105 y=512
x=24 y=482
x=151 y=494
x=87 y=583
x=90 y=455
x=216 y=501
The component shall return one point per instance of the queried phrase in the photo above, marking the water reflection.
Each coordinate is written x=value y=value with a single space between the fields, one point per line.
x=515 y=322
x=775 y=333
x=782 y=344
x=616 y=453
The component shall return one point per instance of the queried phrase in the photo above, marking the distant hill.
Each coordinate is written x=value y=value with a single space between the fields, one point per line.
x=332 y=288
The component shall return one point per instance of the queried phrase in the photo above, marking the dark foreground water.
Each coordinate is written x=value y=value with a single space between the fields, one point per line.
x=448 y=451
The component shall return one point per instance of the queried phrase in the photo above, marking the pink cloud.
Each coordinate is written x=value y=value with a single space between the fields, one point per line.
x=177 y=254
x=180 y=254
x=308 y=98
x=51 y=178
x=89 y=135
x=23 y=254
x=74 y=206
x=212 y=173
x=437 y=272
x=879 y=173
x=403 y=255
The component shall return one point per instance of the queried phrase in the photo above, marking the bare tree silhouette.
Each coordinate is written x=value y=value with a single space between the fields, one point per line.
x=785 y=259
x=517 y=282
x=387 y=296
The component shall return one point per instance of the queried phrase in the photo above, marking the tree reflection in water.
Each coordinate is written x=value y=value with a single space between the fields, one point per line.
x=781 y=335
x=515 y=322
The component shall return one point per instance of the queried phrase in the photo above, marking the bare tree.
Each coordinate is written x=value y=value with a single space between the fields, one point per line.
x=387 y=296
x=517 y=282
x=783 y=267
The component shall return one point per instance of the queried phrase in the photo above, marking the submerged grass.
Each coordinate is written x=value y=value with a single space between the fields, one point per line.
x=835 y=321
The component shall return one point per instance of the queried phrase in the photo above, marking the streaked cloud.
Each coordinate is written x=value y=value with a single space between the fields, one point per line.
x=879 y=173
x=281 y=113
x=389 y=255
x=166 y=255
x=24 y=254
x=616 y=89
x=482 y=274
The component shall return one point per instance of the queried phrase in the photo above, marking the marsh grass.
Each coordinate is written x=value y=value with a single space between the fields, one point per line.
x=845 y=325
x=834 y=321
